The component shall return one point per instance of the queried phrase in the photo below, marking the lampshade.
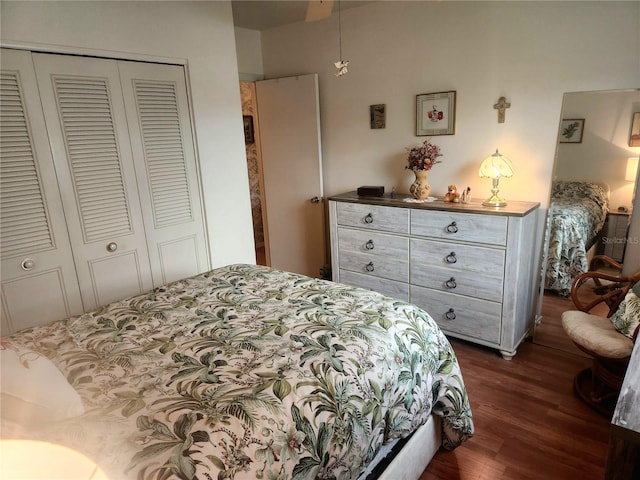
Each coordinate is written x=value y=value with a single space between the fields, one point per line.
x=632 y=169
x=494 y=167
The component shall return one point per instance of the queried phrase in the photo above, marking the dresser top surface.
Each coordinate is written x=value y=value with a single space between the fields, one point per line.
x=513 y=208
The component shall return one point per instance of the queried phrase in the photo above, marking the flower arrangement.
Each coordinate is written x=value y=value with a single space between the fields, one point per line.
x=423 y=157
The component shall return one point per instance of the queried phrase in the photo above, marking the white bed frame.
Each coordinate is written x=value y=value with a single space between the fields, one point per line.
x=411 y=461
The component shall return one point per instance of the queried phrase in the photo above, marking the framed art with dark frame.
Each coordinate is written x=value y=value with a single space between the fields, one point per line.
x=378 y=116
x=435 y=114
x=571 y=130
x=247 y=120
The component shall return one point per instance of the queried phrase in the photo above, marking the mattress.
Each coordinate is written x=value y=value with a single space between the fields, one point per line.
x=241 y=372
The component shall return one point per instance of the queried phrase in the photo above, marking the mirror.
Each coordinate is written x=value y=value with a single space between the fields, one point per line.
x=593 y=146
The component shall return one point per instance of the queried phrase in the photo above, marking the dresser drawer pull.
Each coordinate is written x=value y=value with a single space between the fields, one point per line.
x=451 y=258
x=369 y=267
x=368 y=218
x=451 y=283
x=369 y=245
x=450 y=315
x=452 y=228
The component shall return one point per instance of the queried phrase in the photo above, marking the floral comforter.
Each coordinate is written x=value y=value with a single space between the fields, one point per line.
x=248 y=372
x=576 y=215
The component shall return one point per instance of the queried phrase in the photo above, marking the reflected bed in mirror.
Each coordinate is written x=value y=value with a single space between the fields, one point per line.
x=601 y=157
x=577 y=214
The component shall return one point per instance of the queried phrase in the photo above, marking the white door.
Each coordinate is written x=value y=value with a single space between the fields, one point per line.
x=164 y=157
x=39 y=281
x=88 y=133
x=289 y=119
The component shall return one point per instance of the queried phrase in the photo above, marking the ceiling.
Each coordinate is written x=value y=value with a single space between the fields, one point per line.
x=265 y=14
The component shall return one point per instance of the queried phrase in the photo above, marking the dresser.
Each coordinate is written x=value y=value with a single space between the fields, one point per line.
x=471 y=267
x=616 y=230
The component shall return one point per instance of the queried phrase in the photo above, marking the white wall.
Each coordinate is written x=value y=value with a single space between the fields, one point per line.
x=249 y=52
x=198 y=34
x=603 y=153
x=530 y=52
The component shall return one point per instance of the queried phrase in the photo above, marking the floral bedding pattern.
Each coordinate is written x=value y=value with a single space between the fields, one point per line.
x=576 y=215
x=249 y=372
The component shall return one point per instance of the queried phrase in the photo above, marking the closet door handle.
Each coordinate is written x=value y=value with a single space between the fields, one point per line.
x=369 y=245
x=315 y=200
x=450 y=314
x=368 y=218
x=369 y=267
x=112 y=247
x=451 y=258
x=28 y=264
x=452 y=228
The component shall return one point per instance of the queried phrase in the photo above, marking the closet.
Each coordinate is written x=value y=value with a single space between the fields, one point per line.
x=100 y=194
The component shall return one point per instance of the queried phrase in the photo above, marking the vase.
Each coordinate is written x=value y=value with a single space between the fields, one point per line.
x=420 y=187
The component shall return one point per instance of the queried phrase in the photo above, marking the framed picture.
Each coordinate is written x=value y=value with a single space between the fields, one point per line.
x=634 y=137
x=248 y=129
x=436 y=113
x=571 y=130
x=378 y=115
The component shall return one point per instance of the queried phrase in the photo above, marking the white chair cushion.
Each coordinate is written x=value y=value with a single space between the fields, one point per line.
x=596 y=334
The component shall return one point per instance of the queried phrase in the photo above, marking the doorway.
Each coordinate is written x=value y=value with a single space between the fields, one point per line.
x=282 y=132
x=254 y=168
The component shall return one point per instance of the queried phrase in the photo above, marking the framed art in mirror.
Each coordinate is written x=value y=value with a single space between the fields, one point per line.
x=435 y=113
x=571 y=130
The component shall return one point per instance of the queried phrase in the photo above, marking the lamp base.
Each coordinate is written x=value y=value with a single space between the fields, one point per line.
x=494 y=201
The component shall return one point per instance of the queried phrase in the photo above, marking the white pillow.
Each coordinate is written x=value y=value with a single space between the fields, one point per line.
x=32 y=389
x=627 y=317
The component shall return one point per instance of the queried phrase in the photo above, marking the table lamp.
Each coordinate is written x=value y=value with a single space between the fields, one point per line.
x=494 y=167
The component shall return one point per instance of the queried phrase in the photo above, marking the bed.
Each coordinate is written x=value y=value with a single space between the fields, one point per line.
x=577 y=213
x=243 y=372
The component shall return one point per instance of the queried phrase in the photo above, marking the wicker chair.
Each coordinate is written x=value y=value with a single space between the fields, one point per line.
x=599 y=385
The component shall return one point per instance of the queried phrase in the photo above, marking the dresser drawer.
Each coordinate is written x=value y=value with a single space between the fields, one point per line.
x=377 y=244
x=471 y=317
x=373 y=217
x=455 y=226
x=458 y=257
x=459 y=282
x=386 y=287
x=458 y=268
x=375 y=265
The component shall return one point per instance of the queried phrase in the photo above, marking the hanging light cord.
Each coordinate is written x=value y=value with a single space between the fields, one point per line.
x=340 y=28
x=341 y=65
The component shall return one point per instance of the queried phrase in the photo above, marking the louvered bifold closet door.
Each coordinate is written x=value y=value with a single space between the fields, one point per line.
x=158 y=114
x=39 y=282
x=84 y=111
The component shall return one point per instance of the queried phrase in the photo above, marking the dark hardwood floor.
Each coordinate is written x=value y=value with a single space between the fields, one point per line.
x=529 y=424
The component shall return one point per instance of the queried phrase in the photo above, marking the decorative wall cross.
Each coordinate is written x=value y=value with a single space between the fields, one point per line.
x=501 y=106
